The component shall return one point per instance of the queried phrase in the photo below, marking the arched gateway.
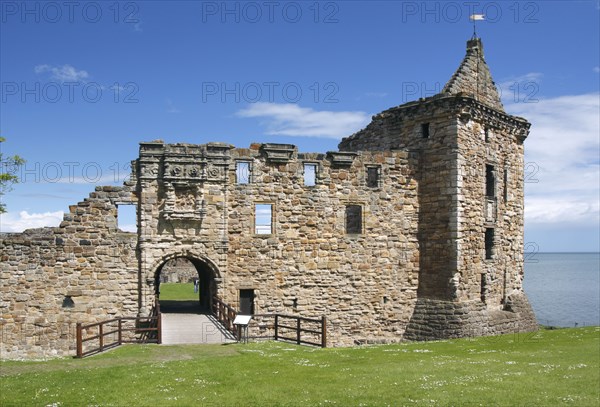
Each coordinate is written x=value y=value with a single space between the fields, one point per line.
x=207 y=277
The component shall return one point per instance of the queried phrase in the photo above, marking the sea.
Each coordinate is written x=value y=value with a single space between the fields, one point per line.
x=564 y=288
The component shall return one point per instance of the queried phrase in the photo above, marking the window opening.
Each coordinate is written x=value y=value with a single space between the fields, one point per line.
x=127 y=217
x=263 y=219
x=489 y=243
x=483 y=289
x=490 y=181
x=310 y=174
x=425 y=130
x=247 y=302
x=68 y=302
x=242 y=172
x=373 y=177
x=505 y=185
x=353 y=219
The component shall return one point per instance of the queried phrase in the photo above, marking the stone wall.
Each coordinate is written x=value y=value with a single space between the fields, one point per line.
x=308 y=265
x=364 y=283
x=437 y=319
x=463 y=287
x=85 y=270
x=178 y=270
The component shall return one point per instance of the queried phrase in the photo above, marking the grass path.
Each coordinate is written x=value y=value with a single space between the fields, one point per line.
x=178 y=292
x=551 y=367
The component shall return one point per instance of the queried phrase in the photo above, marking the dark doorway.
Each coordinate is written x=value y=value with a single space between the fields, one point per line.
x=247 y=302
x=196 y=286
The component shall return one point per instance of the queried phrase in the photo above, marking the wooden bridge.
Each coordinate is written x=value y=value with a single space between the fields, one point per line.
x=170 y=328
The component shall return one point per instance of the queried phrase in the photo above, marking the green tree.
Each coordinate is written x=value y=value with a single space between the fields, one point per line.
x=9 y=166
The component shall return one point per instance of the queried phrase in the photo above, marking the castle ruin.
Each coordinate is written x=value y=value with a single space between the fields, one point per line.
x=412 y=230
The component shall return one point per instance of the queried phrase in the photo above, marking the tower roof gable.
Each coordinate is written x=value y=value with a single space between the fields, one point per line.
x=473 y=78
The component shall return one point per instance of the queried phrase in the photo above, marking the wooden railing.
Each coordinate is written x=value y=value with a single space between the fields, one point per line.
x=225 y=314
x=296 y=329
x=113 y=332
x=284 y=325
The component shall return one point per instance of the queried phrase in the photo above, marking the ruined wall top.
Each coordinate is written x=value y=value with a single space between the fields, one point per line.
x=196 y=163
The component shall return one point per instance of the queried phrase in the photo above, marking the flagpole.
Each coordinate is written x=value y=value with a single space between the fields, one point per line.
x=474 y=18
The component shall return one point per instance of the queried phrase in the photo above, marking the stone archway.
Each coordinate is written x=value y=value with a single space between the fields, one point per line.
x=207 y=276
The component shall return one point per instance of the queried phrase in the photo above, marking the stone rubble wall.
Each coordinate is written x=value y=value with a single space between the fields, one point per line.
x=178 y=271
x=86 y=260
x=365 y=283
x=437 y=146
x=437 y=319
x=503 y=274
x=464 y=136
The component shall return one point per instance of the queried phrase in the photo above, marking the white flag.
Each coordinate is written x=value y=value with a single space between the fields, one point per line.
x=477 y=17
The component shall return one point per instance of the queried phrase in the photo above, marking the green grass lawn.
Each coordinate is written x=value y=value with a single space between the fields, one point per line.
x=178 y=291
x=551 y=367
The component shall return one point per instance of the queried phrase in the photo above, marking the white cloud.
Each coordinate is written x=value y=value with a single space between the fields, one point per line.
x=293 y=120
x=103 y=179
x=562 y=156
x=542 y=209
x=128 y=228
x=65 y=73
x=596 y=69
x=18 y=222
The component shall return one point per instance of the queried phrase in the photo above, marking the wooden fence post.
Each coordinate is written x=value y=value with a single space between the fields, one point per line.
x=159 y=328
x=79 y=341
x=101 y=336
x=323 y=332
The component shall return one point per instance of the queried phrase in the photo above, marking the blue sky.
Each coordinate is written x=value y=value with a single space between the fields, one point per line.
x=84 y=82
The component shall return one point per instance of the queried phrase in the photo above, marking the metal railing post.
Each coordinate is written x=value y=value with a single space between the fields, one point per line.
x=276 y=325
x=298 y=331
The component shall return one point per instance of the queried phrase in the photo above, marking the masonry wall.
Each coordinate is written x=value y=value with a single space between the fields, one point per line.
x=84 y=271
x=193 y=205
x=503 y=211
x=364 y=283
x=461 y=291
x=182 y=211
x=429 y=128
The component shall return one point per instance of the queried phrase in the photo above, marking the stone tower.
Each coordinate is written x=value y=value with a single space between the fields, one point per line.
x=471 y=185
